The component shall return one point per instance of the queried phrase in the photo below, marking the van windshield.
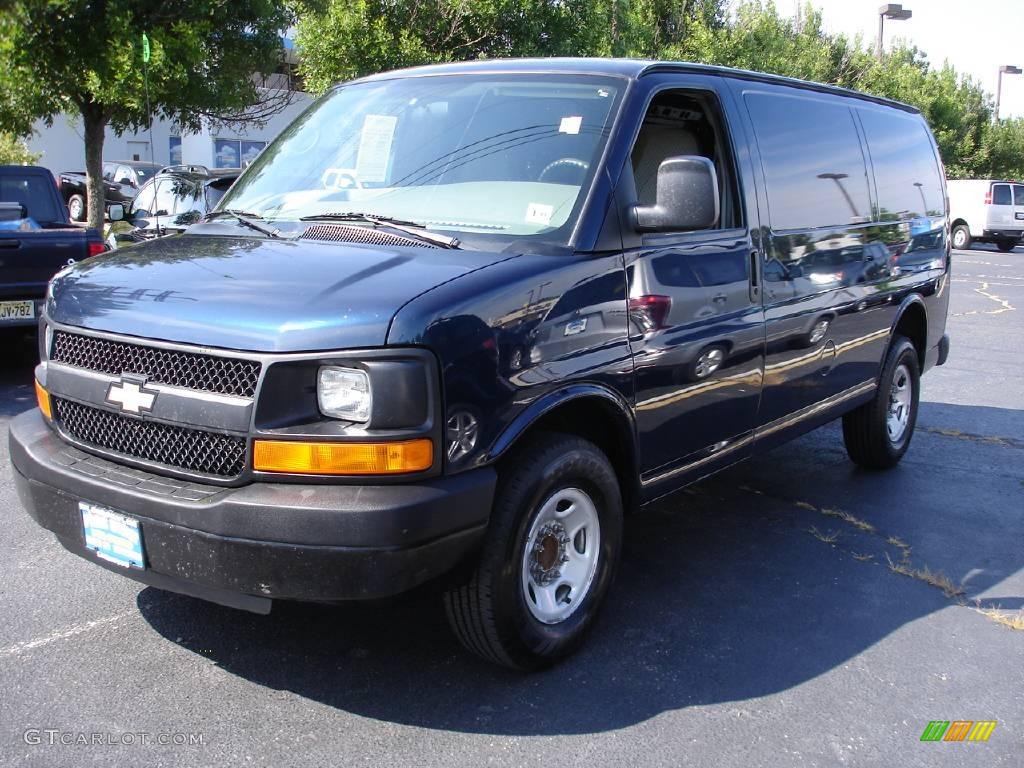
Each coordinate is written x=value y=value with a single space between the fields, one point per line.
x=507 y=156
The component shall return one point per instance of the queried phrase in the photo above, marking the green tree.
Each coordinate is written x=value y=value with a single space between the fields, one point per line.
x=14 y=151
x=84 y=57
x=350 y=38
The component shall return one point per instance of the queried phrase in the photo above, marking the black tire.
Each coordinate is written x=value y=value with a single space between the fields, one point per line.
x=1007 y=245
x=76 y=208
x=961 y=237
x=865 y=433
x=488 y=610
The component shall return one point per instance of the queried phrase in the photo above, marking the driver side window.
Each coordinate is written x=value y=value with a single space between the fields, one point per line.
x=684 y=123
x=144 y=200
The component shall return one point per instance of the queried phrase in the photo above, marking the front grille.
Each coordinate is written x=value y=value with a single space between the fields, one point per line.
x=224 y=375
x=343 y=233
x=192 y=450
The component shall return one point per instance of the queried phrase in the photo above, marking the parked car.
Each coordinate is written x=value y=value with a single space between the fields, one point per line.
x=304 y=396
x=36 y=240
x=986 y=211
x=122 y=180
x=177 y=197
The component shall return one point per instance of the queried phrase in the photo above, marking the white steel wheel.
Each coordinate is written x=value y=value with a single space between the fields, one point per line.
x=561 y=555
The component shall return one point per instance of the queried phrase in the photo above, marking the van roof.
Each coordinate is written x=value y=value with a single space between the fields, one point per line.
x=629 y=68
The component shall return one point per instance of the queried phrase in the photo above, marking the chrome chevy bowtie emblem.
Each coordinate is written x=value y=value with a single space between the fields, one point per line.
x=131 y=396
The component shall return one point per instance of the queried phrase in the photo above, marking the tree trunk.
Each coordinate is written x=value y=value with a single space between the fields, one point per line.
x=95 y=129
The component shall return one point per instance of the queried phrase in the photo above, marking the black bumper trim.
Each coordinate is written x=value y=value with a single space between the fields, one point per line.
x=242 y=546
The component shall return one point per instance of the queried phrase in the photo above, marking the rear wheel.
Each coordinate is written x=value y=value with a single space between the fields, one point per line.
x=76 y=208
x=1007 y=245
x=961 y=237
x=878 y=433
x=548 y=558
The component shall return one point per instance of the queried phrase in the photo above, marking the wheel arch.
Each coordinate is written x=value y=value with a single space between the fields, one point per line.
x=591 y=411
x=912 y=322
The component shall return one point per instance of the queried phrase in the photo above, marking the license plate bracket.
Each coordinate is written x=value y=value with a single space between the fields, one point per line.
x=114 y=537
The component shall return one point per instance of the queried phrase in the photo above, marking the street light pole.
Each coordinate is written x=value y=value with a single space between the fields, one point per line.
x=893 y=11
x=1008 y=69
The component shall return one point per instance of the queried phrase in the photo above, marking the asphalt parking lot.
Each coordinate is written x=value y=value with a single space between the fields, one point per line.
x=789 y=611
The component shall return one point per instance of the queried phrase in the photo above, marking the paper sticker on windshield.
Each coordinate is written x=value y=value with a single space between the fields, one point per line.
x=375 y=147
x=571 y=124
x=538 y=213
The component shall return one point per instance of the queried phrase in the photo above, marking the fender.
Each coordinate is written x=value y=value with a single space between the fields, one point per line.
x=909 y=299
x=547 y=403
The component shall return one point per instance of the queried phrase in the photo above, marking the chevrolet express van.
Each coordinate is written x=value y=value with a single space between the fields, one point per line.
x=456 y=321
x=986 y=211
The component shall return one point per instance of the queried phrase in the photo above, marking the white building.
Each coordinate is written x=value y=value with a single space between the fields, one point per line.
x=62 y=145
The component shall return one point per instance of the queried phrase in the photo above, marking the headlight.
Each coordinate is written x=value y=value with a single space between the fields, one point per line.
x=344 y=393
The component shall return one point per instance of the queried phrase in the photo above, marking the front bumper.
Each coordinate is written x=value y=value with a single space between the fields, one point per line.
x=245 y=546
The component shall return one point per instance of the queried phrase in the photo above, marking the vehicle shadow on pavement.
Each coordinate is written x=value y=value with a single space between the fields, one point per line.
x=20 y=355
x=745 y=585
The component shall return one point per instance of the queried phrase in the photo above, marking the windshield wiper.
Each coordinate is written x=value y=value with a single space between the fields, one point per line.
x=246 y=220
x=413 y=228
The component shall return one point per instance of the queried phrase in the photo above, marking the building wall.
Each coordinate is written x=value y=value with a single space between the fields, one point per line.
x=63 y=145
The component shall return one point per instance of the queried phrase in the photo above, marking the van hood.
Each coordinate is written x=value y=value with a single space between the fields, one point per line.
x=253 y=294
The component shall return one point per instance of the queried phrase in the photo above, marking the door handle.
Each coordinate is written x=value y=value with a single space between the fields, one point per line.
x=755 y=280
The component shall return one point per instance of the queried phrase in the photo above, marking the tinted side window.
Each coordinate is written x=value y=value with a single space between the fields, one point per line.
x=1001 y=194
x=1018 y=194
x=906 y=173
x=813 y=163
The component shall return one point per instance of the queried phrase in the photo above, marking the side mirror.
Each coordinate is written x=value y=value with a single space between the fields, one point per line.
x=687 y=197
x=116 y=212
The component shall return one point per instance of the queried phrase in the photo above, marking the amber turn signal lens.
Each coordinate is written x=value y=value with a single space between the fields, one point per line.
x=342 y=458
x=43 y=398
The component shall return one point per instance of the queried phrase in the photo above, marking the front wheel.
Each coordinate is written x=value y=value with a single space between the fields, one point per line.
x=878 y=433
x=548 y=558
x=961 y=237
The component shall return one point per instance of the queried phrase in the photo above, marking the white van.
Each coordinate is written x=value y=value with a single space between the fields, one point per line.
x=988 y=211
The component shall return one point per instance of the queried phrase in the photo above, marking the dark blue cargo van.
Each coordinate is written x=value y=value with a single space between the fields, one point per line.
x=456 y=320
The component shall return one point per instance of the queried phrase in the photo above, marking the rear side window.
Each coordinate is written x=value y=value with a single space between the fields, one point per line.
x=1001 y=194
x=813 y=164
x=34 y=192
x=1018 y=195
x=906 y=172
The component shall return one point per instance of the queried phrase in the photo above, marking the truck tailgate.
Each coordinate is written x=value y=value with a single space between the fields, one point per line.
x=29 y=259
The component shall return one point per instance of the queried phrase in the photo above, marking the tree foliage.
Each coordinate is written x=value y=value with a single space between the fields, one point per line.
x=84 y=57
x=14 y=151
x=350 y=38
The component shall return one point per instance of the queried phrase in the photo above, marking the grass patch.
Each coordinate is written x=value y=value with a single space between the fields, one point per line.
x=805 y=505
x=829 y=538
x=1010 y=620
x=863 y=558
x=937 y=579
x=853 y=520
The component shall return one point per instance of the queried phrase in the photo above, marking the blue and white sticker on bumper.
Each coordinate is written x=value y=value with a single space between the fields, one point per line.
x=112 y=536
